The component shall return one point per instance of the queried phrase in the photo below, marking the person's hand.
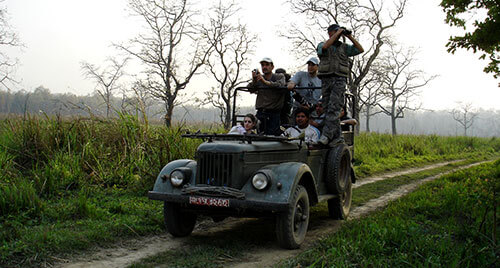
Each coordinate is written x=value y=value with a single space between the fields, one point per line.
x=290 y=85
x=254 y=75
x=306 y=106
x=261 y=78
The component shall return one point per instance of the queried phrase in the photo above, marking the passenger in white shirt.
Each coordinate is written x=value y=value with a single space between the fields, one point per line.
x=248 y=127
x=302 y=120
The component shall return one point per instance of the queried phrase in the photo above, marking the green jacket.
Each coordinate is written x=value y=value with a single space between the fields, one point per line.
x=335 y=60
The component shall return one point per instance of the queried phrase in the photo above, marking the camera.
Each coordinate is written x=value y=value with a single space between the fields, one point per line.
x=346 y=32
x=256 y=71
x=300 y=99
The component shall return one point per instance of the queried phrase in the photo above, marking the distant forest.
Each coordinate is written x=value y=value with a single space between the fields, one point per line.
x=42 y=102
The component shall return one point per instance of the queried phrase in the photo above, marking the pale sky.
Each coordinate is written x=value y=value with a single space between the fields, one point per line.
x=59 y=34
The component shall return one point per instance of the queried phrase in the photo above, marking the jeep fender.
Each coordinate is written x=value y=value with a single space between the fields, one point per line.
x=162 y=184
x=284 y=178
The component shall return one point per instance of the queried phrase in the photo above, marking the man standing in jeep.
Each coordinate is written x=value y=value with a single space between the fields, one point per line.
x=333 y=71
x=306 y=79
x=269 y=100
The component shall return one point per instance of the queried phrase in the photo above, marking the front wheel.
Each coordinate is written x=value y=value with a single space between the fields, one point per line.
x=339 y=207
x=291 y=226
x=179 y=223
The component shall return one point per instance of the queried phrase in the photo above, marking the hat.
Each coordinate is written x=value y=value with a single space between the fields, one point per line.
x=313 y=60
x=280 y=71
x=266 y=59
x=333 y=27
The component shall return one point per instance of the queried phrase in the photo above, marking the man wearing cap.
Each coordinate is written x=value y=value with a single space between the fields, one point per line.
x=333 y=70
x=270 y=98
x=307 y=79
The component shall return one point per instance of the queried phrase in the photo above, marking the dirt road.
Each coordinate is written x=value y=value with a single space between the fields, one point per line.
x=135 y=249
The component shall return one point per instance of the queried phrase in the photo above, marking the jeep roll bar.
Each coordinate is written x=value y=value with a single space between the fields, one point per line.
x=246 y=89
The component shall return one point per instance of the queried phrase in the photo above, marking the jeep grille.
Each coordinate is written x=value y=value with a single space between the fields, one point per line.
x=214 y=169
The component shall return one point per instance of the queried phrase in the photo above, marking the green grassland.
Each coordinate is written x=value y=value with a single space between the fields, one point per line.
x=449 y=222
x=67 y=186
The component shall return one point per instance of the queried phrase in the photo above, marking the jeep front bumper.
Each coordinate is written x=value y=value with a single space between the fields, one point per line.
x=234 y=203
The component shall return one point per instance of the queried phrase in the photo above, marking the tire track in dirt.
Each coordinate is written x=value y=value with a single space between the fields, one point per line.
x=268 y=257
x=400 y=173
x=133 y=250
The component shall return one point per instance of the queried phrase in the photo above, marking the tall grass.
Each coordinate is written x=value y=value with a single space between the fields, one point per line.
x=58 y=156
x=70 y=184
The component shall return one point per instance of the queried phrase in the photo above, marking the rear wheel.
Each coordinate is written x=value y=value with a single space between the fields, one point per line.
x=339 y=207
x=338 y=173
x=291 y=226
x=179 y=223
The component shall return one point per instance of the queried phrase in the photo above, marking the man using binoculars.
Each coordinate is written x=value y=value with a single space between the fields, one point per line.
x=333 y=70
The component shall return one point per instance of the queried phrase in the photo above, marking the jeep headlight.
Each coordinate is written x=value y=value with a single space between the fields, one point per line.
x=260 y=181
x=179 y=176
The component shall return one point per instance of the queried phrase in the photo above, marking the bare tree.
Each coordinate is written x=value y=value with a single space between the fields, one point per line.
x=465 y=115
x=371 y=95
x=8 y=38
x=141 y=100
x=401 y=83
x=106 y=79
x=232 y=43
x=171 y=48
x=369 y=20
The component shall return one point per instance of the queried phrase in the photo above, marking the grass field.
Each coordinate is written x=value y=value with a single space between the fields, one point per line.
x=66 y=186
x=449 y=222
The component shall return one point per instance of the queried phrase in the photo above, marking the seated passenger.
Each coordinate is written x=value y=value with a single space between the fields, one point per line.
x=346 y=121
x=302 y=121
x=248 y=127
x=317 y=118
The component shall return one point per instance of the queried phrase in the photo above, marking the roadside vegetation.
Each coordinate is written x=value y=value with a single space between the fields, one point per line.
x=67 y=185
x=449 y=222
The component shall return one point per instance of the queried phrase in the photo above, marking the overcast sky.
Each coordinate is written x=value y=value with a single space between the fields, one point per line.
x=59 y=34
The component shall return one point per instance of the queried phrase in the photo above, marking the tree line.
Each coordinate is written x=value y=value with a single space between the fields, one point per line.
x=463 y=120
x=181 y=40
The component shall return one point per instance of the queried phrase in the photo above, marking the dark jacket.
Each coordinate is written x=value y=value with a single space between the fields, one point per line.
x=269 y=97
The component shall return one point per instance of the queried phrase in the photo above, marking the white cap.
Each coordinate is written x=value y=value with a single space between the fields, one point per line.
x=266 y=59
x=313 y=60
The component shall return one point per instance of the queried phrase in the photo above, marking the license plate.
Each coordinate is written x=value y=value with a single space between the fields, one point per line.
x=208 y=201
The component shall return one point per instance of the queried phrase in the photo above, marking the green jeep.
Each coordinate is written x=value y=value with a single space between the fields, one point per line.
x=256 y=176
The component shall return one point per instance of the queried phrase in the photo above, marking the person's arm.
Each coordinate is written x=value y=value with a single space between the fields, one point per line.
x=280 y=81
x=315 y=135
x=294 y=81
x=313 y=123
x=332 y=39
x=252 y=86
x=356 y=43
x=351 y=121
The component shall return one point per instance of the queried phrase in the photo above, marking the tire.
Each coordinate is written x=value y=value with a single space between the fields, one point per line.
x=178 y=222
x=339 y=207
x=338 y=169
x=291 y=226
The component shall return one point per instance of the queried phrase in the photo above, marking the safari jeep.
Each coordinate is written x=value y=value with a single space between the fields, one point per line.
x=256 y=176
